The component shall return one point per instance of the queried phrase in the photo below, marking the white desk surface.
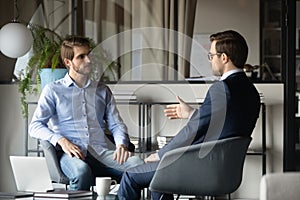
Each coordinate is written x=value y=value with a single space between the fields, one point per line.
x=164 y=92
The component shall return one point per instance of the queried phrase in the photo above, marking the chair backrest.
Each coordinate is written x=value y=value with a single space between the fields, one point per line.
x=278 y=186
x=53 y=164
x=206 y=169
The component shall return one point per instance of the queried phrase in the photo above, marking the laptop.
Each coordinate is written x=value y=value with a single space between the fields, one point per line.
x=31 y=174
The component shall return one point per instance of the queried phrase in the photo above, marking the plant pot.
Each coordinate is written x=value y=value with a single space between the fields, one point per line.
x=49 y=75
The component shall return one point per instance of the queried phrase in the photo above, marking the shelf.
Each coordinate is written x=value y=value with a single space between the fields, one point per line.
x=272 y=56
x=272 y=37
x=255 y=152
x=272 y=29
x=35 y=151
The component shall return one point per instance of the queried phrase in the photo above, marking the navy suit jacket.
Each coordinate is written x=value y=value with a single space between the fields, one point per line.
x=230 y=108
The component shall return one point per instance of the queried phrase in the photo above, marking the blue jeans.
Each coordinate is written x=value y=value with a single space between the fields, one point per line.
x=82 y=173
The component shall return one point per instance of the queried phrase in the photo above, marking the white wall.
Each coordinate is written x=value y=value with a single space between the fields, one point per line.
x=240 y=15
x=12 y=135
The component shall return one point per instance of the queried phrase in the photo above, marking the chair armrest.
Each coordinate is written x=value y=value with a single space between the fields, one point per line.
x=52 y=162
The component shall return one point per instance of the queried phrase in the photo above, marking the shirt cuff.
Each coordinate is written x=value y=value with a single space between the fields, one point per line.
x=54 y=139
x=191 y=114
x=157 y=156
x=121 y=142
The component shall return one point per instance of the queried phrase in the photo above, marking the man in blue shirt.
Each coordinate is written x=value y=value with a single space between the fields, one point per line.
x=79 y=110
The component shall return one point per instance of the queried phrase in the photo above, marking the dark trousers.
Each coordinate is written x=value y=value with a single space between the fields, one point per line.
x=135 y=180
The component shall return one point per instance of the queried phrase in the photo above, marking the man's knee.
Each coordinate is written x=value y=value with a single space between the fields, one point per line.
x=82 y=178
x=134 y=161
x=83 y=171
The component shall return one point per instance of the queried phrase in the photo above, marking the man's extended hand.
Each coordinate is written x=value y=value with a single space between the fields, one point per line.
x=121 y=154
x=70 y=148
x=178 y=111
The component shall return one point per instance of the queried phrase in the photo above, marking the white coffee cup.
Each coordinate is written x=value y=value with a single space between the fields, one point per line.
x=103 y=185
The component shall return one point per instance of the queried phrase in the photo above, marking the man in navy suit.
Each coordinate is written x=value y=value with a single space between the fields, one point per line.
x=230 y=108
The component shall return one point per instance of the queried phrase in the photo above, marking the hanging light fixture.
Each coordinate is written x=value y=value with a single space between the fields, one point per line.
x=15 y=38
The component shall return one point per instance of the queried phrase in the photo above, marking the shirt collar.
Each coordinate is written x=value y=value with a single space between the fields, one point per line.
x=226 y=74
x=69 y=82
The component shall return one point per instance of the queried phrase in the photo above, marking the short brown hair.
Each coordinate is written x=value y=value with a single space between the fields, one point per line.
x=68 y=44
x=233 y=45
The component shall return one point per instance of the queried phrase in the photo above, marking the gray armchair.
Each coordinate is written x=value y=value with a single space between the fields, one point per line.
x=209 y=169
x=50 y=153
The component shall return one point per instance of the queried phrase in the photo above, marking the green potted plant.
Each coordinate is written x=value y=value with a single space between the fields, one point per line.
x=45 y=55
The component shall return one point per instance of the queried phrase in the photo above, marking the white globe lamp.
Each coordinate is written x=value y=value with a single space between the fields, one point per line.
x=15 y=40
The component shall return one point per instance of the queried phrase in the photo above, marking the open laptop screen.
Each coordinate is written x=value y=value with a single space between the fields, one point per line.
x=31 y=174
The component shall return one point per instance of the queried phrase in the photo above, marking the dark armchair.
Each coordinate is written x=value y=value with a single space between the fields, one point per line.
x=51 y=156
x=209 y=169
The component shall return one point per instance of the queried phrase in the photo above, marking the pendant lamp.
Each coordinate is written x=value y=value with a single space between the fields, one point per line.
x=15 y=38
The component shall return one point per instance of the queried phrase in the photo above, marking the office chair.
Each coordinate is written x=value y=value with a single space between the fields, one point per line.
x=51 y=156
x=208 y=169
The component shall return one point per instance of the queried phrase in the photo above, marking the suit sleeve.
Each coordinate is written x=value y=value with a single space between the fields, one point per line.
x=205 y=124
x=185 y=136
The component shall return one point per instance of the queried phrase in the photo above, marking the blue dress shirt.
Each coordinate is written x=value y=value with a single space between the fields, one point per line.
x=79 y=114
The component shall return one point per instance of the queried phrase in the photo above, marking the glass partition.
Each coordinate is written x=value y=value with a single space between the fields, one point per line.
x=164 y=40
x=152 y=40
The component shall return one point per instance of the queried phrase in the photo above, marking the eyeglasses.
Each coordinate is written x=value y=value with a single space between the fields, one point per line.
x=211 y=55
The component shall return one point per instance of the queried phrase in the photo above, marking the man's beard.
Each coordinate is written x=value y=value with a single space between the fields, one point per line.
x=82 y=69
